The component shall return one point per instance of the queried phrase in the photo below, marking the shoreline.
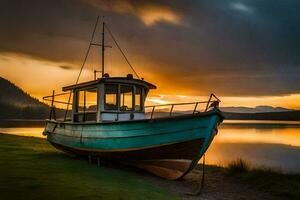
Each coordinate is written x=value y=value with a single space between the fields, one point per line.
x=30 y=168
x=235 y=182
x=12 y=123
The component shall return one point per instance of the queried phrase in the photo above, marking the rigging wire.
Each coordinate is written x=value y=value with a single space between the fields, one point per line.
x=82 y=66
x=115 y=41
x=109 y=63
x=88 y=50
x=87 y=54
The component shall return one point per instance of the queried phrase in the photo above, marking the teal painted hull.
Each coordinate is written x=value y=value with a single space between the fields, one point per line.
x=119 y=138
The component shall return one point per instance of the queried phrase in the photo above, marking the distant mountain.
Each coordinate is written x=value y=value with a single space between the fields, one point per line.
x=17 y=104
x=257 y=109
x=260 y=113
x=288 y=115
x=15 y=96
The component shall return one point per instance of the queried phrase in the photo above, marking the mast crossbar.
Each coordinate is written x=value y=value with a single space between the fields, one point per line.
x=100 y=45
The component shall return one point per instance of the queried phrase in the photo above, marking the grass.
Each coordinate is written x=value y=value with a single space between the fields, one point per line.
x=238 y=166
x=31 y=169
x=265 y=179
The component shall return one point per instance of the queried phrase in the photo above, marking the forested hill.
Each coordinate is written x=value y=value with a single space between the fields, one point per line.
x=285 y=115
x=17 y=104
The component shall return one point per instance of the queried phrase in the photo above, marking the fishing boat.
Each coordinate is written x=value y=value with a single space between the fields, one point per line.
x=118 y=126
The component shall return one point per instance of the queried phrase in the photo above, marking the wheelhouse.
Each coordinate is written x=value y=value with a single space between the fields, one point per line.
x=109 y=99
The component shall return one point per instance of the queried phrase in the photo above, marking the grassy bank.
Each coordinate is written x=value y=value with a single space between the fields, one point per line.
x=286 y=186
x=31 y=169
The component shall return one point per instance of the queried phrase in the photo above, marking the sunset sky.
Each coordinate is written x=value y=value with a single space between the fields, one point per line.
x=245 y=51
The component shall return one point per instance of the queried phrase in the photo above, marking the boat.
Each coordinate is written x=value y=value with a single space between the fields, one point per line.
x=109 y=121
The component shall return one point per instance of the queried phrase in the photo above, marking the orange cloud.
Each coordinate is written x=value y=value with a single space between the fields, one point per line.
x=39 y=77
x=36 y=76
x=288 y=101
x=149 y=14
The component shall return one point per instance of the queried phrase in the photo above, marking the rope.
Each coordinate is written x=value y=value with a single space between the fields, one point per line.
x=115 y=41
x=201 y=185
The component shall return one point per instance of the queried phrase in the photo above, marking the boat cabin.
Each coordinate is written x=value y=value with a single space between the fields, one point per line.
x=109 y=99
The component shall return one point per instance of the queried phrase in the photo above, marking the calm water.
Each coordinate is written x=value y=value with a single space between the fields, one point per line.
x=273 y=144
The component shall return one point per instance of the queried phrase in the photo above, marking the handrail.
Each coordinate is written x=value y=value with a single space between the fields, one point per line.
x=196 y=105
x=86 y=112
x=50 y=96
x=58 y=102
x=213 y=95
x=52 y=111
x=209 y=103
x=176 y=104
x=210 y=97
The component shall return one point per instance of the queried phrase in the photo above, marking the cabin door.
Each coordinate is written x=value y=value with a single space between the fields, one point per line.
x=85 y=106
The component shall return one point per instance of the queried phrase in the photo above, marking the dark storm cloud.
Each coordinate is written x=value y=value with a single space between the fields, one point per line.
x=234 y=47
x=65 y=67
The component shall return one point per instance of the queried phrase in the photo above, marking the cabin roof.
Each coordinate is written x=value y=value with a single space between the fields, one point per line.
x=123 y=80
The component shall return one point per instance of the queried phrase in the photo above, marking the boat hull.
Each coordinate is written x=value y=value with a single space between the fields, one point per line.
x=168 y=147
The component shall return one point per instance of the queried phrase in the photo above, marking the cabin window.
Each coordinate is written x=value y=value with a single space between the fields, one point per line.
x=126 y=98
x=86 y=105
x=138 y=99
x=87 y=100
x=91 y=100
x=111 y=97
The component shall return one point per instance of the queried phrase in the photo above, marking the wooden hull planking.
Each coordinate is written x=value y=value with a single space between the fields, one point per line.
x=169 y=148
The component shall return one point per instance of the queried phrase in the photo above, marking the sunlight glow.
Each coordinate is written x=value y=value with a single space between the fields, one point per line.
x=39 y=77
x=287 y=136
x=156 y=100
x=151 y=15
x=288 y=101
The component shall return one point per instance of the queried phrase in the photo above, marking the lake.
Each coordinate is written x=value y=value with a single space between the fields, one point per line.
x=274 y=144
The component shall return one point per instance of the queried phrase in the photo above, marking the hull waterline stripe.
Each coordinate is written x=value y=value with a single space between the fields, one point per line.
x=119 y=150
x=114 y=130
x=134 y=136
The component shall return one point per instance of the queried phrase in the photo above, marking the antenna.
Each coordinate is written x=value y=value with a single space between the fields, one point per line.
x=103 y=46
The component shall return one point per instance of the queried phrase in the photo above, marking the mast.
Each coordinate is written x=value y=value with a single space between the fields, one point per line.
x=103 y=48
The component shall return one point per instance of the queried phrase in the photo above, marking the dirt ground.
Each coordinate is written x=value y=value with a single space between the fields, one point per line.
x=217 y=187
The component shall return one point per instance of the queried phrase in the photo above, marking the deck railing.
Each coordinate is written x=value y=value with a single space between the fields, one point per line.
x=168 y=109
x=83 y=115
x=51 y=98
x=212 y=102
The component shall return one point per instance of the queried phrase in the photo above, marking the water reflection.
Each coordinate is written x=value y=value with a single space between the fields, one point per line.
x=274 y=144
x=270 y=144
x=24 y=131
x=266 y=134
